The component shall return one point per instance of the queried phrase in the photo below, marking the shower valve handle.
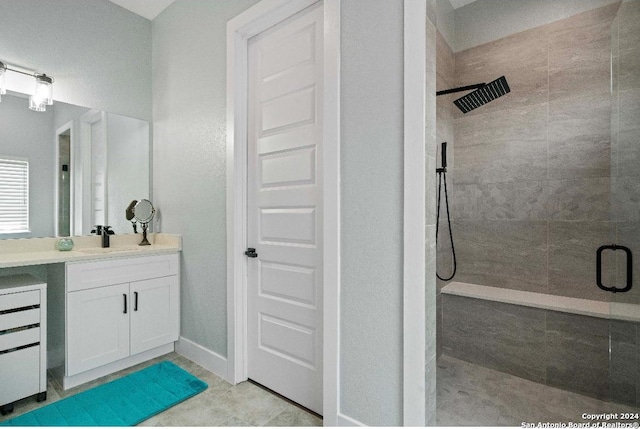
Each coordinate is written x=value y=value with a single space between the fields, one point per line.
x=443 y=152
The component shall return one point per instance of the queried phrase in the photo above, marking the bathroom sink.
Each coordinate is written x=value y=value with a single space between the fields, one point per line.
x=101 y=250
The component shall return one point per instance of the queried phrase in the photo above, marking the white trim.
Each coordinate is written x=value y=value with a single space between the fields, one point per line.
x=415 y=33
x=209 y=360
x=331 y=214
x=83 y=204
x=346 y=421
x=239 y=30
x=101 y=371
x=56 y=178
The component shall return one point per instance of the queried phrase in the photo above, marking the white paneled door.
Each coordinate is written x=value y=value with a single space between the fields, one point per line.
x=285 y=208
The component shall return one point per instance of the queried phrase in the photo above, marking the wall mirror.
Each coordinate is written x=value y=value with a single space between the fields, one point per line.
x=85 y=165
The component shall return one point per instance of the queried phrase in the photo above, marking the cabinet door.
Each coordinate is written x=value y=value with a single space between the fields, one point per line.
x=155 y=313
x=97 y=327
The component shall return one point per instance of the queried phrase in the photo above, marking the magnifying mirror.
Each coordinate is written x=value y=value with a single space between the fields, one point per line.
x=143 y=212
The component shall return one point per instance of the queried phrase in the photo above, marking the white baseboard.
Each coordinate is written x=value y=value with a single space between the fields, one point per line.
x=110 y=368
x=348 y=421
x=209 y=360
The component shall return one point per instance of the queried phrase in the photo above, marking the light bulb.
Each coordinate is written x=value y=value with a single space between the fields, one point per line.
x=44 y=90
x=36 y=104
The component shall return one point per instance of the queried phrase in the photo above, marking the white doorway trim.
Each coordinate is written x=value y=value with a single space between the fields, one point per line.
x=414 y=312
x=56 y=178
x=240 y=29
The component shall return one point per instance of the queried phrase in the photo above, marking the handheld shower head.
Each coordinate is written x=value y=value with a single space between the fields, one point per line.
x=443 y=159
x=443 y=153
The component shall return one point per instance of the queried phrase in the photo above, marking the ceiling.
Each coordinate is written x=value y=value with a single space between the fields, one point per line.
x=146 y=8
x=459 y=3
x=151 y=8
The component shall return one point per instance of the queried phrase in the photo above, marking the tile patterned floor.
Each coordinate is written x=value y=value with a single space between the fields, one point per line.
x=468 y=395
x=471 y=395
x=220 y=405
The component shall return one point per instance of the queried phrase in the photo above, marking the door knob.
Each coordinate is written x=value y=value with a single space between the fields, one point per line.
x=251 y=252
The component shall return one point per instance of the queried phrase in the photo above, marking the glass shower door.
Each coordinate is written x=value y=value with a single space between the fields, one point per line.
x=624 y=386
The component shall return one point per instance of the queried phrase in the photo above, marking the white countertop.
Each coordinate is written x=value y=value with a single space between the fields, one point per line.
x=39 y=251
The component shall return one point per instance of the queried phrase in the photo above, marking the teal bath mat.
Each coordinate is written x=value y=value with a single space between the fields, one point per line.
x=126 y=401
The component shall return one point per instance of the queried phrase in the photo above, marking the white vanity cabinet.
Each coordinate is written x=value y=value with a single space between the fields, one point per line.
x=117 y=310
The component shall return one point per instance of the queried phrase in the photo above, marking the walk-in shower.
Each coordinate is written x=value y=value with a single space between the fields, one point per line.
x=538 y=300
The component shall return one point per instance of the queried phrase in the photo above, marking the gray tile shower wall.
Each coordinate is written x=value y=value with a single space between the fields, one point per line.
x=562 y=350
x=504 y=337
x=445 y=69
x=577 y=353
x=431 y=304
x=533 y=194
x=625 y=370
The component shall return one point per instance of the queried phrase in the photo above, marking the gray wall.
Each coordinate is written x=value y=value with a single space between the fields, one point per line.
x=67 y=112
x=371 y=163
x=445 y=20
x=487 y=20
x=189 y=155
x=98 y=53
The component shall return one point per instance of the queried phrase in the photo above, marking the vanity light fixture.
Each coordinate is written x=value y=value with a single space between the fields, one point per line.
x=3 y=84
x=43 y=94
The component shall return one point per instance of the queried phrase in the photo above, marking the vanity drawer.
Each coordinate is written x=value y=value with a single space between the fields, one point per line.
x=18 y=300
x=19 y=375
x=19 y=338
x=19 y=318
x=89 y=275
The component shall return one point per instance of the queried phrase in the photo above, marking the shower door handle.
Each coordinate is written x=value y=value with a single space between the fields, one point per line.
x=614 y=247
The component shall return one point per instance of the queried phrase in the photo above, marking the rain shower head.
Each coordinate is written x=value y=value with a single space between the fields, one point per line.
x=483 y=94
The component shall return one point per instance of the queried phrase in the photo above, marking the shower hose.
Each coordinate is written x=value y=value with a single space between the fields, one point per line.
x=442 y=177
